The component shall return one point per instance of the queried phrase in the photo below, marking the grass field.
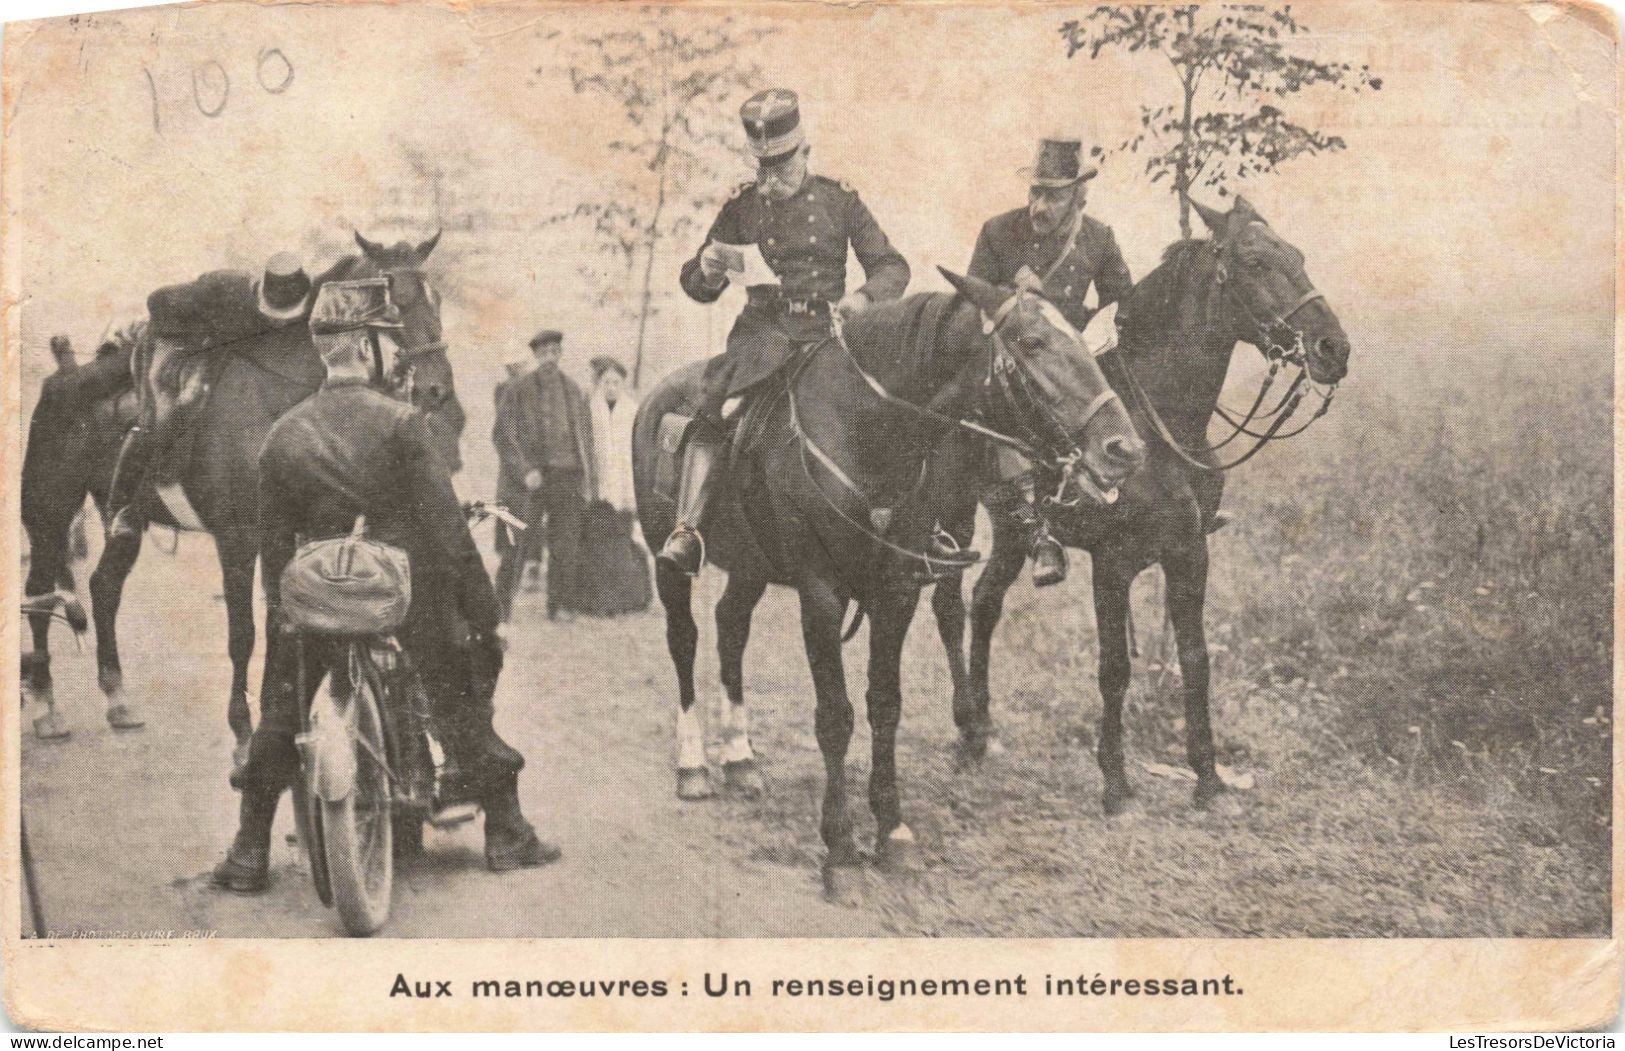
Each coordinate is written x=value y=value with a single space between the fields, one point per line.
x=1411 y=630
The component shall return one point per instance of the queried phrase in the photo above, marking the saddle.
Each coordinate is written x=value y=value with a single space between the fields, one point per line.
x=746 y=429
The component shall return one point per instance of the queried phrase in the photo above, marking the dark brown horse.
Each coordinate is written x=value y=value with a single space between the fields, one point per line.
x=220 y=476
x=829 y=500
x=1178 y=330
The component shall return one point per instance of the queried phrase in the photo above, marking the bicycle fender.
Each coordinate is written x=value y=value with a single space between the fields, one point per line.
x=332 y=764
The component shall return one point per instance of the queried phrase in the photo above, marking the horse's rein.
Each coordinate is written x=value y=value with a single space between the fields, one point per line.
x=1296 y=356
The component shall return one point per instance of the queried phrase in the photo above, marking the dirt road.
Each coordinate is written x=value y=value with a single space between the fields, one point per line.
x=126 y=826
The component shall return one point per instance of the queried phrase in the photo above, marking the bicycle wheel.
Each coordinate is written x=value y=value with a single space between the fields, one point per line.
x=357 y=830
x=307 y=819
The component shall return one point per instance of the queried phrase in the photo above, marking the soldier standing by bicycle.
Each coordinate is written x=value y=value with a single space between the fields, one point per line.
x=347 y=451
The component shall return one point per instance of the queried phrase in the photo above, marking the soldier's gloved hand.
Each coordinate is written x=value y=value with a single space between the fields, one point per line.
x=853 y=302
x=533 y=480
x=712 y=267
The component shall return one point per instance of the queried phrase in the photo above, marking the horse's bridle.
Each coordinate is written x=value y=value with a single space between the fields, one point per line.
x=1289 y=351
x=1001 y=364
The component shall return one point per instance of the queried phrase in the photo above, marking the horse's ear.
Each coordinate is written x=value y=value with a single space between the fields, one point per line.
x=426 y=247
x=1216 y=221
x=988 y=297
x=371 y=248
x=1243 y=213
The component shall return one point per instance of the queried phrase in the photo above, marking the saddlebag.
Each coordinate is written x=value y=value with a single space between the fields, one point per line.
x=347 y=585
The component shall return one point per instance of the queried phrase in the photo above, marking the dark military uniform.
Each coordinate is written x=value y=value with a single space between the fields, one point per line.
x=1008 y=243
x=804 y=239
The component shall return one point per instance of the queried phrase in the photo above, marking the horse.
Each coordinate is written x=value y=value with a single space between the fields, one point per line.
x=220 y=474
x=830 y=498
x=1178 y=330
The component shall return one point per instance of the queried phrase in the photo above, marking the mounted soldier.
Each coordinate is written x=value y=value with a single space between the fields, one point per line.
x=1053 y=248
x=801 y=223
x=187 y=323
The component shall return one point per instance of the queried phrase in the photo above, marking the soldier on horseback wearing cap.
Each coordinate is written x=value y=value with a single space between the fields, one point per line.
x=186 y=322
x=1052 y=248
x=351 y=450
x=802 y=224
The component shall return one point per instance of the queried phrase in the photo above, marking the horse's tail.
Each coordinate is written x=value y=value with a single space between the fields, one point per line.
x=851 y=630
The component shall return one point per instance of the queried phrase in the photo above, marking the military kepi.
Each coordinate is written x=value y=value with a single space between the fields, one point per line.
x=1059 y=163
x=344 y=306
x=772 y=124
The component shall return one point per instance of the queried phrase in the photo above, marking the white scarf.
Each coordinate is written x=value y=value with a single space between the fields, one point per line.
x=612 y=448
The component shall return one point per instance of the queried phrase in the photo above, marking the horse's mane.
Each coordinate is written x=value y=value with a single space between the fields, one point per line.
x=905 y=337
x=1162 y=301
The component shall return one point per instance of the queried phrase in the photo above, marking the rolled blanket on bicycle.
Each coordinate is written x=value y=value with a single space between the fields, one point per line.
x=347 y=585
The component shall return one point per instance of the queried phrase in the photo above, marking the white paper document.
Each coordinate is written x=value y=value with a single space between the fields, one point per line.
x=744 y=264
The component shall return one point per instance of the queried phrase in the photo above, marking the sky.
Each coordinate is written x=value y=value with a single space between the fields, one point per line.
x=1472 y=211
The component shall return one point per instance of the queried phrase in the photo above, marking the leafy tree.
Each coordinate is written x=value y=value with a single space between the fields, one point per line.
x=1231 y=62
x=678 y=82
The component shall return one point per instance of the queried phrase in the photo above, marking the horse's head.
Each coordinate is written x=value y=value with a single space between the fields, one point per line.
x=422 y=371
x=1270 y=300
x=1055 y=388
x=409 y=288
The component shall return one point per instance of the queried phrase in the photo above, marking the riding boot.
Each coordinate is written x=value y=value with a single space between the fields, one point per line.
x=246 y=868
x=684 y=550
x=1014 y=499
x=510 y=841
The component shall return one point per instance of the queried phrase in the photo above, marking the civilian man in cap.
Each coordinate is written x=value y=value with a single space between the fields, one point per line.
x=1050 y=247
x=543 y=437
x=187 y=322
x=349 y=450
x=802 y=223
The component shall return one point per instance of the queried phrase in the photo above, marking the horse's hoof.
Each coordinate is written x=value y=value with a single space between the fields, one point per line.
x=1208 y=789
x=51 y=727
x=971 y=749
x=694 y=783
x=898 y=850
x=1117 y=801
x=124 y=716
x=744 y=778
x=844 y=884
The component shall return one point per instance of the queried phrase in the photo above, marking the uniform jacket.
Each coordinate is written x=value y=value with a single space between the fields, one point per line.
x=351 y=450
x=804 y=239
x=543 y=424
x=1008 y=242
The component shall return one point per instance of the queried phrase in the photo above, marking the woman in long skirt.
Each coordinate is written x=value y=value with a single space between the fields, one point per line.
x=614 y=576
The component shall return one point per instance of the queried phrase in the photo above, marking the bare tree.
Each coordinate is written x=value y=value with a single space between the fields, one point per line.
x=677 y=81
x=1230 y=61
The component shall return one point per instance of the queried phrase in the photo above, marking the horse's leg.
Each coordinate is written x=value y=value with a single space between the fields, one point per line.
x=821 y=611
x=1111 y=583
x=682 y=637
x=44 y=554
x=948 y=604
x=889 y=621
x=987 y=605
x=733 y=613
x=1186 y=575
x=237 y=556
x=106 y=592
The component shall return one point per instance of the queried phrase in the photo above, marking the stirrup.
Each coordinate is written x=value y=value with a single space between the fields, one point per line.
x=127 y=522
x=943 y=547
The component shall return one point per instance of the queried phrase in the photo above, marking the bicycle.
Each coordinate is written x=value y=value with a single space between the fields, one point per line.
x=373 y=770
